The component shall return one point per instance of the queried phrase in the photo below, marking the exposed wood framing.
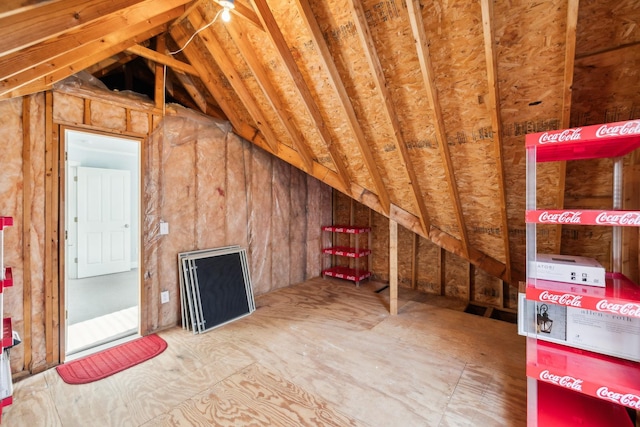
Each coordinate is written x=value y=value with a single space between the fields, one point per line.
x=414 y=260
x=383 y=93
x=496 y=123
x=25 y=66
x=472 y=283
x=160 y=73
x=44 y=75
x=26 y=230
x=50 y=223
x=54 y=18
x=393 y=267
x=569 y=63
x=196 y=95
x=334 y=78
x=226 y=66
x=104 y=67
x=159 y=57
x=86 y=112
x=424 y=58
x=271 y=95
x=441 y=271
x=276 y=37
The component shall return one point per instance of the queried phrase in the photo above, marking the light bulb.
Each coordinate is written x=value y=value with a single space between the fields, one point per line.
x=226 y=15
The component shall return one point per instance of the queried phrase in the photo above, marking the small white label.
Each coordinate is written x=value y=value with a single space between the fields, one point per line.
x=164 y=297
x=164 y=227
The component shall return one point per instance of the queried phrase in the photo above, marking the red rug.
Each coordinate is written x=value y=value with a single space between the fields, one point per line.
x=101 y=365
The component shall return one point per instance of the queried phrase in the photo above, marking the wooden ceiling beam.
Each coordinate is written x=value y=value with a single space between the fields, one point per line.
x=334 y=78
x=274 y=33
x=104 y=67
x=53 y=18
x=496 y=123
x=194 y=93
x=36 y=61
x=161 y=58
x=271 y=94
x=73 y=65
x=219 y=55
x=383 y=93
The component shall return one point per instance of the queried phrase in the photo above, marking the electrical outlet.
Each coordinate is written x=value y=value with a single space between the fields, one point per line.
x=164 y=297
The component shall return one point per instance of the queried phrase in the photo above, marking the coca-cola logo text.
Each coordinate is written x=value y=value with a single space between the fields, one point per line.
x=628 y=128
x=564 y=381
x=568 y=217
x=627 y=218
x=628 y=309
x=564 y=299
x=628 y=399
x=565 y=135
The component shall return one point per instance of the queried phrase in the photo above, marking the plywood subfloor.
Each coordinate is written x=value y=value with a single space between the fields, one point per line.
x=319 y=353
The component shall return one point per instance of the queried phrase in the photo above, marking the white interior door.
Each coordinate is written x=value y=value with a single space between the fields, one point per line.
x=104 y=221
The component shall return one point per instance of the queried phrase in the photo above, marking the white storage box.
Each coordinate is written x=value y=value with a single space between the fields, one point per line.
x=569 y=269
x=604 y=333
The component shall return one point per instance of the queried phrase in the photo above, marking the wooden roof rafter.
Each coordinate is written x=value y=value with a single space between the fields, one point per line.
x=102 y=68
x=276 y=37
x=226 y=66
x=20 y=68
x=271 y=95
x=424 y=58
x=380 y=82
x=79 y=59
x=334 y=78
x=569 y=64
x=53 y=18
x=195 y=55
x=496 y=123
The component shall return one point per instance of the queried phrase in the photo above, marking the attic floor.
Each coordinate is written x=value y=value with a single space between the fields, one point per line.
x=323 y=352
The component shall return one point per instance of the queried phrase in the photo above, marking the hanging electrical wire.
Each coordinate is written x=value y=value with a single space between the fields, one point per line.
x=197 y=32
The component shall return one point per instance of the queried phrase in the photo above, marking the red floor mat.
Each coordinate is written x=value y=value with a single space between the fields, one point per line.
x=111 y=361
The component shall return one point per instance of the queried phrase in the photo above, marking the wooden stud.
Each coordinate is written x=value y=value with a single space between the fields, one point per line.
x=160 y=72
x=335 y=80
x=55 y=246
x=442 y=255
x=472 y=283
x=383 y=94
x=26 y=230
x=271 y=94
x=48 y=230
x=393 y=267
x=196 y=95
x=276 y=37
x=414 y=261
x=424 y=58
x=86 y=113
x=493 y=103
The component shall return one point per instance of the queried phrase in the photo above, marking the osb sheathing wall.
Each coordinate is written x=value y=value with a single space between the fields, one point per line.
x=214 y=189
x=422 y=265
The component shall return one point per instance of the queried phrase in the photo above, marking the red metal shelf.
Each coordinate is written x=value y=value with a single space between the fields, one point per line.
x=5 y=221
x=584 y=217
x=559 y=407
x=589 y=142
x=347 y=273
x=348 y=252
x=8 y=279
x=620 y=296
x=7 y=333
x=603 y=377
x=346 y=229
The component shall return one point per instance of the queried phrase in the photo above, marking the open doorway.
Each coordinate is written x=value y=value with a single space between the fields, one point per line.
x=102 y=235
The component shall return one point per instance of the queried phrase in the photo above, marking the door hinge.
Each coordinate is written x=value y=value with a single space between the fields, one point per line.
x=75 y=219
x=75 y=178
x=66 y=235
x=75 y=260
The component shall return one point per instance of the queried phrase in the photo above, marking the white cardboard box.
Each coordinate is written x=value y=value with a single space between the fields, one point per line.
x=585 y=329
x=569 y=269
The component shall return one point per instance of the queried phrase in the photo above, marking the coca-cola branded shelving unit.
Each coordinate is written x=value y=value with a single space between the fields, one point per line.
x=6 y=334
x=356 y=252
x=566 y=385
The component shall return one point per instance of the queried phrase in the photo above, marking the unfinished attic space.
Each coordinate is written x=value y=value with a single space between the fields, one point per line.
x=301 y=213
